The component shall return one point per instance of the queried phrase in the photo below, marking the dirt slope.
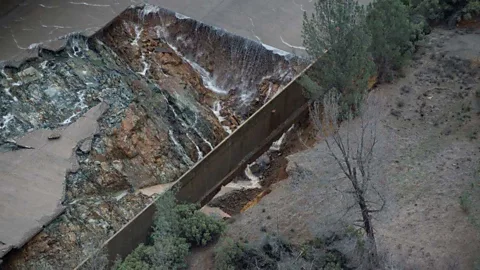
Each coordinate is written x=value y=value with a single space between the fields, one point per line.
x=428 y=155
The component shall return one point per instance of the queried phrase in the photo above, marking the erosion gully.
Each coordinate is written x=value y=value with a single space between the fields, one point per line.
x=175 y=89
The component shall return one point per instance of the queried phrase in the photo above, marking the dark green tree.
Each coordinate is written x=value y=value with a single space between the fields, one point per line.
x=446 y=11
x=391 y=30
x=336 y=31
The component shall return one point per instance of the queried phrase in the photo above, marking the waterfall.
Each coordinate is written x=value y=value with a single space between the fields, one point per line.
x=146 y=66
x=7 y=91
x=138 y=32
x=217 y=107
x=199 y=152
x=6 y=119
x=80 y=105
x=181 y=151
x=239 y=64
x=184 y=124
x=6 y=75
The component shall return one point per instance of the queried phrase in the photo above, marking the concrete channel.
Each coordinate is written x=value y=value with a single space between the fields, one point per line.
x=227 y=160
x=219 y=167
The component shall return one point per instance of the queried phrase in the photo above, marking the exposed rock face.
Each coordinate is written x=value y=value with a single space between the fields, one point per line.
x=174 y=87
x=240 y=74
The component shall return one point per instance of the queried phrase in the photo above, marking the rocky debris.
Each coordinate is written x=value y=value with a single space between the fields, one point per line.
x=131 y=149
x=12 y=145
x=54 y=136
x=86 y=146
x=149 y=42
x=28 y=75
x=172 y=97
x=85 y=222
x=261 y=164
x=214 y=212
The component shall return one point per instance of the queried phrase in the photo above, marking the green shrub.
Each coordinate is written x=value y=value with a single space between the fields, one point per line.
x=167 y=253
x=338 y=27
x=420 y=27
x=184 y=220
x=198 y=228
x=166 y=218
x=139 y=259
x=176 y=227
x=442 y=10
x=170 y=253
x=275 y=247
x=391 y=30
x=231 y=255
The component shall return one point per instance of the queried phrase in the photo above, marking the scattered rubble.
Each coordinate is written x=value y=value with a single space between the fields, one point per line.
x=171 y=96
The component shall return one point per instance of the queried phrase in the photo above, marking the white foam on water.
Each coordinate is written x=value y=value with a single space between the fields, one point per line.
x=7 y=91
x=217 y=107
x=228 y=129
x=43 y=65
x=180 y=149
x=276 y=145
x=181 y=16
x=202 y=137
x=76 y=48
x=207 y=79
x=148 y=9
x=269 y=92
x=6 y=75
x=88 y=4
x=138 y=32
x=80 y=105
x=45 y=6
x=254 y=181
x=275 y=50
x=7 y=119
x=292 y=46
x=146 y=66
x=34 y=46
x=199 y=152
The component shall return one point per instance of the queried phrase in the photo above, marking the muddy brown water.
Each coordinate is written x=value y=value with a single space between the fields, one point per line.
x=25 y=24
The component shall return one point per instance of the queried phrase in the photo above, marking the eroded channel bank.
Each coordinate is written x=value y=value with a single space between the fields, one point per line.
x=174 y=88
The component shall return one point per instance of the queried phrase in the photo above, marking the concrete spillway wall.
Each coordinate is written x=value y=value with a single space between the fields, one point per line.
x=222 y=164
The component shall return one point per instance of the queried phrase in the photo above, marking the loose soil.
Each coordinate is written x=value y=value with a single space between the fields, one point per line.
x=427 y=157
x=302 y=137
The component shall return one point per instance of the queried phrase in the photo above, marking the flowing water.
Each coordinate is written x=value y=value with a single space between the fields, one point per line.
x=175 y=88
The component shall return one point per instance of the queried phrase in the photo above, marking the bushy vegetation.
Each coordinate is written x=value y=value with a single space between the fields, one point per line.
x=348 y=37
x=196 y=227
x=338 y=28
x=445 y=10
x=274 y=253
x=392 y=34
x=177 y=227
x=138 y=259
x=231 y=255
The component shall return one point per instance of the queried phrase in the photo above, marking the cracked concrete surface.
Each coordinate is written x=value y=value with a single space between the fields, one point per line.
x=32 y=182
x=31 y=195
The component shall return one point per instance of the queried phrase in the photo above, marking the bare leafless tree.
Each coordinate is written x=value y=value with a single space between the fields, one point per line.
x=351 y=137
